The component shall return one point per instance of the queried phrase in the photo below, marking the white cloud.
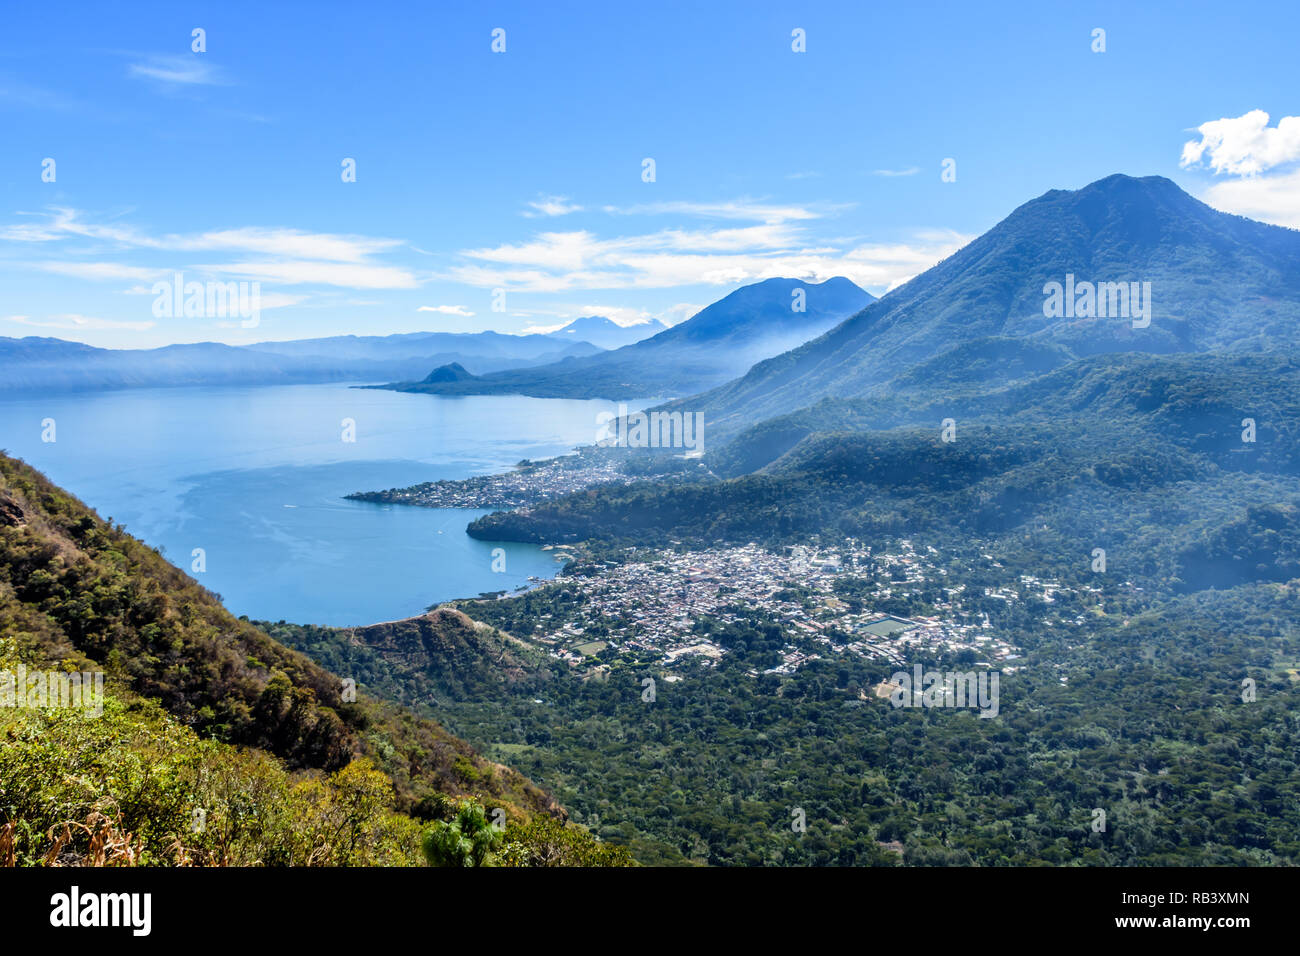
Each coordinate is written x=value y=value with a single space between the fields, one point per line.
x=1274 y=199
x=889 y=265
x=189 y=70
x=909 y=171
x=283 y=255
x=582 y=251
x=304 y=272
x=568 y=261
x=102 y=270
x=63 y=223
x=551 y=206
x=680 y=312
x=292 y=272
x=285 y=242
x=459 y=310
x=542 y=329
x=618 y=314
x=71 y=320
x=1244 y=145
x=54 y=228
x=750 y=209
x=279 y=300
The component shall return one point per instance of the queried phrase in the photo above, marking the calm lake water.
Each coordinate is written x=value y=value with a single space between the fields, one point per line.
x=256 y=477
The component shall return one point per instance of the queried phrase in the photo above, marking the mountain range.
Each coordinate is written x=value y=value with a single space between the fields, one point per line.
x=718 y=343
x=1082 y=422
x=977 y=319
x=605 y=333
x=47 y=363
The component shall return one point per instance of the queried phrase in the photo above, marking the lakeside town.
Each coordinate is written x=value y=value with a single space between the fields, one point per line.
x=652 y=606
x=529 y=482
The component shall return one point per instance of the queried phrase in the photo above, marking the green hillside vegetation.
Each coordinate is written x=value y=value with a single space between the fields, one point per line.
x=1137 y=707
x=1160 y=686
x=420 y=662
x=204 y=711
x=1144 y=453
x=1138 y=711
x=1197 y=402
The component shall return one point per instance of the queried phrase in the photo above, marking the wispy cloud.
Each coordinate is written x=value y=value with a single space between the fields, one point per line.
x=745 y=208
x=909 y=171
x=283 y=255
x=279 y=300
x=776 y=244
x=102 y=270
x=285 y=242
x=191 y=70
x=551 y=206
x=568 y=261
x=64 y=223
x=459 y=310
x=889 y=265
x=71 y=320
x=676 y=314
x=304 y=272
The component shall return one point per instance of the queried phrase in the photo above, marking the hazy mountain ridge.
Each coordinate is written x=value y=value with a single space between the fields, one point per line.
x=54 y=364
x=716 y=344
x=605 y=333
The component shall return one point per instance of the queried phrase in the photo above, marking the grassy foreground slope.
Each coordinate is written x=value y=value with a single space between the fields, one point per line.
x=203 y=712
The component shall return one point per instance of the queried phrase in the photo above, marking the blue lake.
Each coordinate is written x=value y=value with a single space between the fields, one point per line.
x=255 y=477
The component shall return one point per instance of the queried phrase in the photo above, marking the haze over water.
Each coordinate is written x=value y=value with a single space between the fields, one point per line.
x=256 y=478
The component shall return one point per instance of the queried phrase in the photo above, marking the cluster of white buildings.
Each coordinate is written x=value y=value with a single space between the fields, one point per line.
x=654 y=604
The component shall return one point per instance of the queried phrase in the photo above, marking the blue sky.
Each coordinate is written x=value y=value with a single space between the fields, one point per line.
x=522 y=170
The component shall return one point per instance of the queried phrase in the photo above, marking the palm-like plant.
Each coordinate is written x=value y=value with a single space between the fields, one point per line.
x=468 y=840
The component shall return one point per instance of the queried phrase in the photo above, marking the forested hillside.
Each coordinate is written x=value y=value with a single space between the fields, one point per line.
x=211 y=697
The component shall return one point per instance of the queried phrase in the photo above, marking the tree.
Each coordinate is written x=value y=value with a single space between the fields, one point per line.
x=465 y=841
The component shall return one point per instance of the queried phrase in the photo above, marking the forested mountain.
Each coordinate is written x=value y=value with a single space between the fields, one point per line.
x=716 y=344
x=1217 y=281
x=1095 y=449
x=1198 y=402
